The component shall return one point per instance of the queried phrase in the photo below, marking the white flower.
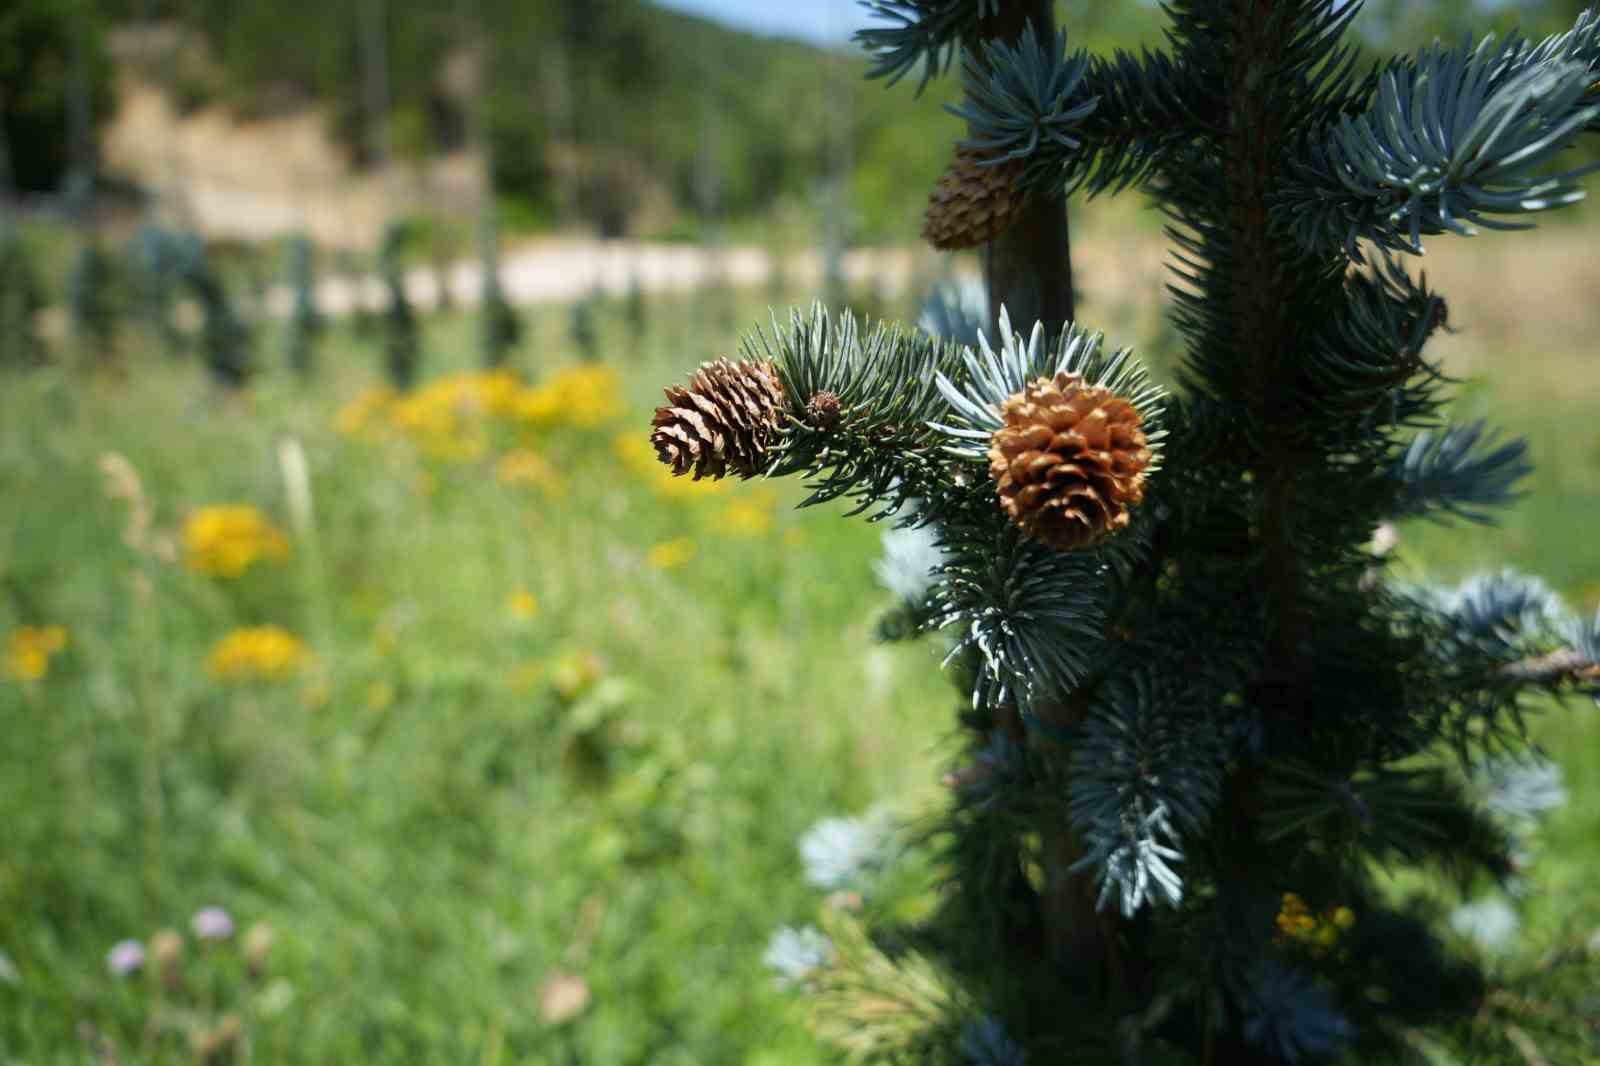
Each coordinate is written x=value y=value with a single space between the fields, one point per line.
x=909 y=558
x=126 y=957
x=212 y=923
x=837 y=852
x=1520 y=789
x=795 y=953
x=8 y=971
x=1491 y=923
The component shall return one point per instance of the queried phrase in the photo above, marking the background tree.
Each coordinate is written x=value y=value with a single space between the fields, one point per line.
x=401 y=353
x=1199 y=714
x=21 y=300
x=225 y=341
x=305 y=319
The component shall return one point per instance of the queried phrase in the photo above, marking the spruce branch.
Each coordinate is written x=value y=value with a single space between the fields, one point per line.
x=1445 y=145
x=957 y=310
x=873 y=1007
x=1023 y=100
x=1288 y=1014
x=874 y=445
x=920 y=31
x=1033 y=614
x=1081 y=121
x=1386 y=814
x=1581 y=45
x=1457 y=472
x=1507 y=615
x=1145 y=772
x=1364 y=371
x=985 y=1042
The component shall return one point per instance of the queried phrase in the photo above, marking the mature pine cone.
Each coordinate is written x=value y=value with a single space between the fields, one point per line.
x=972 y=203
x=1069 y=461
x=723 y=421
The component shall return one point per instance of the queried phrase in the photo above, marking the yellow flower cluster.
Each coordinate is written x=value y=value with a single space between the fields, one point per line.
x=749 y=517
x=445 y=410
x=363 y=412
x=583 y=396
x=30 y=649
x=225 y=540
x=522 y=605
x=636 y=454
x=670 y=553
x=450 y=416
x=523 y=466
x=257 y=653
x=1298 y=926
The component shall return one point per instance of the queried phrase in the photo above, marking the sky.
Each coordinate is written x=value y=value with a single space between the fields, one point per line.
x=824 y=21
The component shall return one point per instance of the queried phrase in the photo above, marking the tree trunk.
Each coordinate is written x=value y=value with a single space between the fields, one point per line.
x=1028 y=271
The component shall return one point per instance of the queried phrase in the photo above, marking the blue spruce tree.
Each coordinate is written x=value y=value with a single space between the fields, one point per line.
x=1198 y=713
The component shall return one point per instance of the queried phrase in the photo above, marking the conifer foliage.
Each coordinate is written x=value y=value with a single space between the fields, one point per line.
x=1198 y=712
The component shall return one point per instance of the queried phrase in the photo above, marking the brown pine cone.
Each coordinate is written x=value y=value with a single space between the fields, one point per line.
x=972 y=203
x=722 y=422
x=1069 y=461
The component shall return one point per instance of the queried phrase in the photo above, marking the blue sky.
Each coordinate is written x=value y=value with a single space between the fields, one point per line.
x=827 y=21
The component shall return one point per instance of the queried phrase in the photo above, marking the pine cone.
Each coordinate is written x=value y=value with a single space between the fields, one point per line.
x=1069 y=461
x=972 y=203
x=723 y=421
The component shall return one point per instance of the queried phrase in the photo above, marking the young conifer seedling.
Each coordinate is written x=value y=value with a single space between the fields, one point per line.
x=1199 y=714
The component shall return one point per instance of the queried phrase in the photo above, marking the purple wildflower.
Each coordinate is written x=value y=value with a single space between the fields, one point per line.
x=125 y=958
x=212 y=923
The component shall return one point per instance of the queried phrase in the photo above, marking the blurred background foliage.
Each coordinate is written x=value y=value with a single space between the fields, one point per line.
x=591 y=109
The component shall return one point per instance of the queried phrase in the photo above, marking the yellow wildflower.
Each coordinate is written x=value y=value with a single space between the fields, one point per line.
x=30 y=649
x=583 y=396
x=359 y=413
x=670 y=553
x=745 y=518
x=1319 y=934
x=523 y=466
x=225 y=540
x=446 y=415
x=587 y=394
x=257 y=653
x=522 y=605
x=538 y=406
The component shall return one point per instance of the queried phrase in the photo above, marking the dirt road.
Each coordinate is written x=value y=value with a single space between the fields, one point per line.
x=566 y=270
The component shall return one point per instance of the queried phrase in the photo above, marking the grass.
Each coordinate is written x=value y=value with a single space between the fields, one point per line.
x=451 y=803
x=484 y=833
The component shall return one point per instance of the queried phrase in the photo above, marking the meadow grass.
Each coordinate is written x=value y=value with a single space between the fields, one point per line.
x=533 y=793
x=464 y=790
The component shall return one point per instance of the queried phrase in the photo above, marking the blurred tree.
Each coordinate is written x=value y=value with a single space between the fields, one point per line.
x=21 y=299
x=36 y=71
x=224 y=338
x=305 y=319
x=399 y=320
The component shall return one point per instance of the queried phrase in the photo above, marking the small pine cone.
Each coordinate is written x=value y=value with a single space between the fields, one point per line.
x=1069 y=461
x=972 y=203
x=723 y=421
x=822 y=410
